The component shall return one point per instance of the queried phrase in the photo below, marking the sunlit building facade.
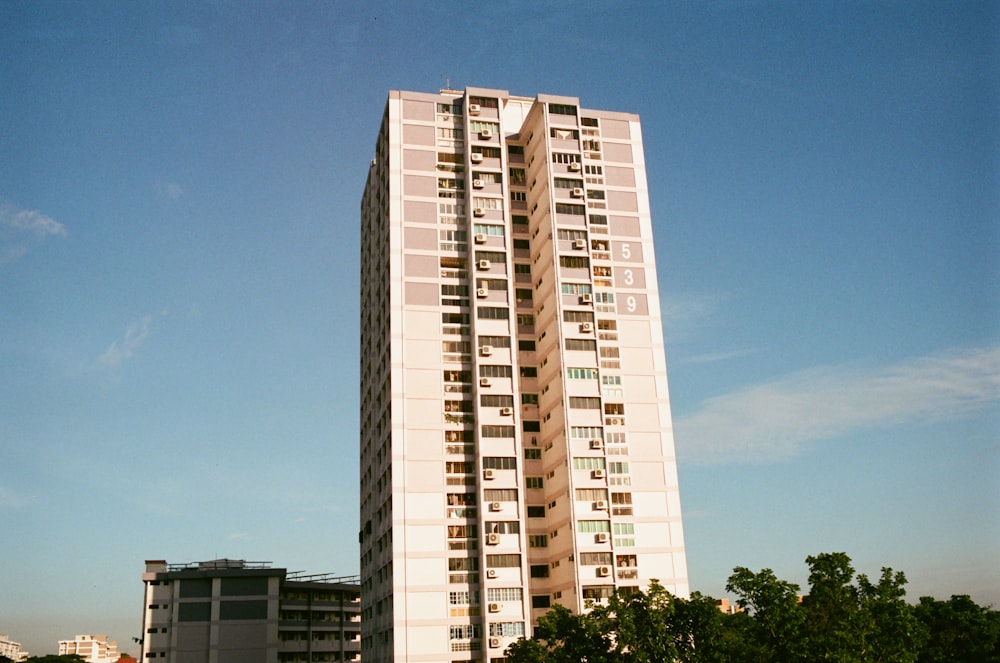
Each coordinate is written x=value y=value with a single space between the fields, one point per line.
x=91 y=648
x=516 y=439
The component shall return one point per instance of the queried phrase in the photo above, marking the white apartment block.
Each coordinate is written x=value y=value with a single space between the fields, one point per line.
x=11 y=649
x=91 y=648
x=516 y=440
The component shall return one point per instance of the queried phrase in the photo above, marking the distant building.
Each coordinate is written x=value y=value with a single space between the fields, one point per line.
x=233 y=611
x=11 y=649
x=91 y=648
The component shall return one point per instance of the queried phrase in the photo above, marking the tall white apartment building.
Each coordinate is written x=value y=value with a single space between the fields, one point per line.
x=516 y=440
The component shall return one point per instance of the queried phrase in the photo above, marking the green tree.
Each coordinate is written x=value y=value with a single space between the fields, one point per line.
x=831 y=609
x=889 y=629
x=772 y=626
x=958 y=631
x=56 y=658
x=563 y=637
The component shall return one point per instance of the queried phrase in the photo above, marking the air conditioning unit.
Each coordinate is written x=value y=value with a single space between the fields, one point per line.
x=484 y=264
x=479 y=211
x=473 y=109
x=495 y=506
x=597 y=474
x=494 y=643
x=486 y=134
x=575 y=166
x=482 y=292
x=579 y=243
x=486 y=350
x=586 y=298
x=478 y=184
x=596 y=443
x=494 y=607
x=600 y=505
x=484 y=382
x=492 y=539
x=576 y=192
x=480 y=238
x=586 y=327
x=488 y=475
x=491 y=573
x=476 y=157
x=603 y=571
x=506 y=411
x=602 y=537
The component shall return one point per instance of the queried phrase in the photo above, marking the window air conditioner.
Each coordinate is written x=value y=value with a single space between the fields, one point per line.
x=476 y=157
x=596 y=443
x=574 y=166
x=603 y=571
x=492 y=539
x=479 y=211
x=486 y=134
x=494 y=506
x=491 y=573
x=482 y=292
x=480 y=238
x=488 y=475
x=597 y=474
x=600 y=505
x=486 y=350
x=478 y=184
x=586 y=327
x=473 y=109
x=586 y=298
x=506 y=411
x=579 y=243
x=494 y=607
x=494 y=643
x=484 y=264
x=601 y=537
x=577 y=192
x=484 y=382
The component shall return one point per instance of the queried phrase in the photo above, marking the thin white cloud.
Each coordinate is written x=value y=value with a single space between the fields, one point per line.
x=123 y=349
x=779 y=419
x=171 y=190
x=31 y=221
x=685 y=314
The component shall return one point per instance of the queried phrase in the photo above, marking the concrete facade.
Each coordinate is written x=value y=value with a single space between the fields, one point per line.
x=231 y=611
x=91 y=648
x=516 y=439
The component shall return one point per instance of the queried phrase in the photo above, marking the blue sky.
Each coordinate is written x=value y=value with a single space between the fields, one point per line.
x=179 y=191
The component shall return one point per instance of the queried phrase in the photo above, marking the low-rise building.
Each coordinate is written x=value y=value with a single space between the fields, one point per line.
x=234 y=611
x=11 y=649
x=91 y=648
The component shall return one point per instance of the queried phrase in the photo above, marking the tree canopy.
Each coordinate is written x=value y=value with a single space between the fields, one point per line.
x=843 y=618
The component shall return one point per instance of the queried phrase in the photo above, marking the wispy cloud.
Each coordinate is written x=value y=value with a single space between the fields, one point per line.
x=23 y=226
x=12 y=499
x=125 y=348
x=779 y=419
x=685 y=314
x=171 y=190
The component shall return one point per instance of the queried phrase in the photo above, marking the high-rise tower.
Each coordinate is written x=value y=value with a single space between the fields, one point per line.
x=516 y=441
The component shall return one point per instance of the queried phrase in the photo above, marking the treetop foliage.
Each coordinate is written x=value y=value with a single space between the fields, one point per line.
x=843 y=618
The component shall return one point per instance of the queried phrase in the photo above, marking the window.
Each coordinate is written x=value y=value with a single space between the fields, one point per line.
x=586 y=432
x=500 y=462
x=518 y=197
x=517 y=176
x=562 y=157
x=595 y=194
x=564 y=134
x=592 y=526
x=522 y=244
x=529 y=399
x=624 y=534
x=567 y=183
x=595 y=559
x=562 y=109
x=532 y=454
x=611 y=379
x=581 y=373
x=497 y=431
x=618 y=468
x=522 y=268
x=538 y=540
x=503 y=527
x=534 y=482
x=529 y=372
x=480 y=125
x=504 y=594
x=541 y=601
x=486 y=176
x=507 y=629
x=488 y=229
x=578 y=316
x=609 y=352
x=503 y=561
x=526 y=346
x=496 y=400
x=588 y=463
x=515 y=149
x=525 y=319
x=531 y=426
x=500 y=495
x=569 y=233
x=492 y=313
x=574 y=262
x=495 y=341
x=494 y=371
x=499 y=285
x=487 y=203
x=536 y=511
x=581 y=344
x=484 y=102
x=614 y=408
x=584 y=403
x=598 y=592
x=591 y=494
x=466 y=631
x=487 y=152
x=492 y=256
x=569 y=208
x=539 y=571
x=451 y=109
x=451 y=133
x=459 y=468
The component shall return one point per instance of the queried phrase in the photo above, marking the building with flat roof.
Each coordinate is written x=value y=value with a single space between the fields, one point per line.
x=91 y=648
x=516 y=439
x=233 y=611
x=11 y=649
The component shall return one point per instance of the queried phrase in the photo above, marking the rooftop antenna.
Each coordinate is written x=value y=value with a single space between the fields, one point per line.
x=447 y=81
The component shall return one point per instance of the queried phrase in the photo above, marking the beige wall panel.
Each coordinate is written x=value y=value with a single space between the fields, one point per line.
x=418 y=110
x=621 y=152
x=648 y=474
x=419 y=185
x=421 y=294
x=650 y=505
x=615 y=129
x=419 y=211
x=618 y=176
x=420 y=160
x=418 y=135
x=424 y=505
x=418 y=265
x=625 y=226
x=623 y=201
x=652 y=535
